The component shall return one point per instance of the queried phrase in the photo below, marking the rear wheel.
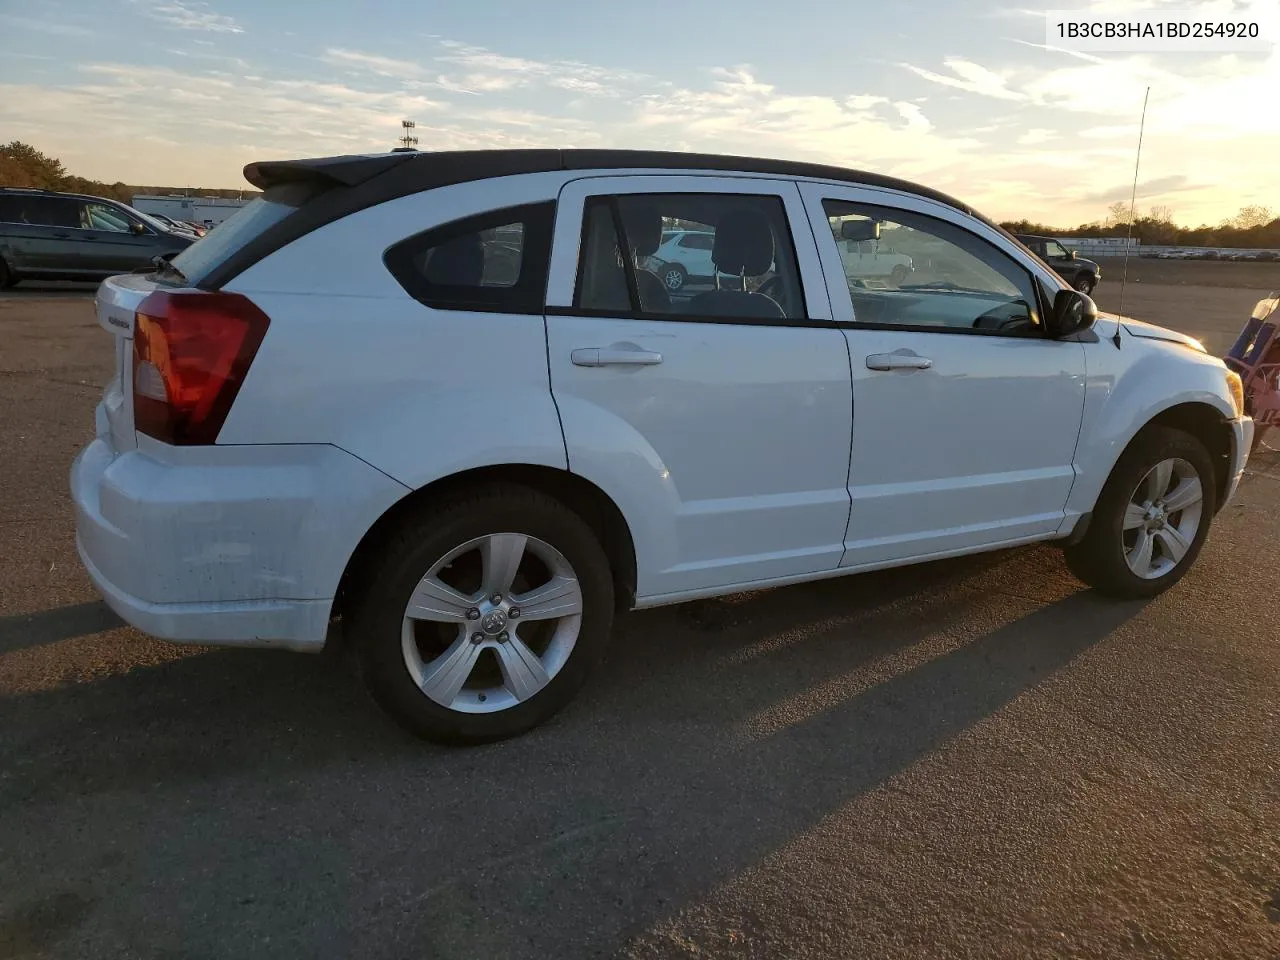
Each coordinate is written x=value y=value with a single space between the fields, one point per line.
x=1151 y=518
x=7 y=279
x=483 y=616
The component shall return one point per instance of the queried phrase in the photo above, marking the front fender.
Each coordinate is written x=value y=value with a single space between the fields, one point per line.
x=1126 y=390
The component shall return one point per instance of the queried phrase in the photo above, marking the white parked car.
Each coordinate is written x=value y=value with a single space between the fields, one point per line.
x=430 y=395
x=682 y=256
x=866 y=260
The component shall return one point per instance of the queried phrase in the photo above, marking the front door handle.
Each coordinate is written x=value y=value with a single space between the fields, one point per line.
x=898 y=361
x=618 y=355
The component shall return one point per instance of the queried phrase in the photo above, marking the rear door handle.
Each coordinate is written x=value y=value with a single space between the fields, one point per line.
x=898 y=361
x=620 y=355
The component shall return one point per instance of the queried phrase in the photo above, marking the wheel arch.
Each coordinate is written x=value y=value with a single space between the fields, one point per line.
x=582 y=496
x=1201 y=420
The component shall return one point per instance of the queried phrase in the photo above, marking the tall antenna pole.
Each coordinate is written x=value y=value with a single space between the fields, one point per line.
x=1133 y=206
x=407 y=140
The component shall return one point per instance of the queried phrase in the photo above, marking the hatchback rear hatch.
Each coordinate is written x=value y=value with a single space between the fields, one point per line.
x=118 y=298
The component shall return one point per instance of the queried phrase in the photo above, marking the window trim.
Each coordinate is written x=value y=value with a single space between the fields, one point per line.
x=611 y=201
x=537 y=220
x=1038 y=306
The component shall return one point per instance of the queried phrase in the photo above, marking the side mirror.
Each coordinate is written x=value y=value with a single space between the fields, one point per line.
x=1071 y=254
x=860 y=230
x=1072 y=312
x=137 y=229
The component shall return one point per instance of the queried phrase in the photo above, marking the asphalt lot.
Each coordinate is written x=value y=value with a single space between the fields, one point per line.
x=974 y=758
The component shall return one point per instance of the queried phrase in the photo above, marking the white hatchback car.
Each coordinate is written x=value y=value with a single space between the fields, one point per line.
x=432 y=395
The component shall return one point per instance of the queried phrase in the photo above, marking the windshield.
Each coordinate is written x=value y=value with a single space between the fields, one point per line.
x=245 y=225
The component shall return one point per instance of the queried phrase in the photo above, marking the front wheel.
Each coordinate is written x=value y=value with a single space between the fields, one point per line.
x=7 y=278
x=1085 y=284
x=483 y=615
x=674 y=276
x=898 y=275
x=1151 y=518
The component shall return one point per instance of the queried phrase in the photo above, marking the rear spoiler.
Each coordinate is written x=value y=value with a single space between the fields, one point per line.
x=347 y=171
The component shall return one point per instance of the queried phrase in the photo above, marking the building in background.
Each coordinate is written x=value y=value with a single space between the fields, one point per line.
x=209 y=211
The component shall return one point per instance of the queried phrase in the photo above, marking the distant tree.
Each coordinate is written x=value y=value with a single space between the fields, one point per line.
x=1117 y=213
x=1252 y=216
x=1161 y=213
x=22 y=165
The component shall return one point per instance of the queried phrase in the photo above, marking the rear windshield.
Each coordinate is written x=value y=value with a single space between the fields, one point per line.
x=246 y=224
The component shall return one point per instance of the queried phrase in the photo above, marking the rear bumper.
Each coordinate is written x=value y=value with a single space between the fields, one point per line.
x=1241 y=441
x=237 y=545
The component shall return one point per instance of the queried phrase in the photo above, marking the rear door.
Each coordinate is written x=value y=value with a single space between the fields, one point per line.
x=41 y=233
x=717 y=420
x=111 y=244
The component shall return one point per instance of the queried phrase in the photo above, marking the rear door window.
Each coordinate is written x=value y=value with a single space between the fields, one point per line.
x=49 y=211
x=493 y=262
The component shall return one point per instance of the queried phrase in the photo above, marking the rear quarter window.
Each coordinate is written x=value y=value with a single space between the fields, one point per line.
x=494 y=262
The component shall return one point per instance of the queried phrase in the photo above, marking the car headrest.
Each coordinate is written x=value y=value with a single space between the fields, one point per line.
x=457 y=263
x=644 y=228
x=744 y=243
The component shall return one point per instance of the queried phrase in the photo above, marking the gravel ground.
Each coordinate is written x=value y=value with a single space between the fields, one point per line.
x=974 y=758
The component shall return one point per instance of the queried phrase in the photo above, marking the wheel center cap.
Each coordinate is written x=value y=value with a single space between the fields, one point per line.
x=493 y=622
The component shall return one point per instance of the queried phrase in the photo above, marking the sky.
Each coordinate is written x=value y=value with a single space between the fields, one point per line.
x=960 y=95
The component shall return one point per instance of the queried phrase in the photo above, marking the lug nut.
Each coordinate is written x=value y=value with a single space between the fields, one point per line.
x=513 y=612
x=503 y=637
x=473 y=614
x=477 y=638
x=496 y=598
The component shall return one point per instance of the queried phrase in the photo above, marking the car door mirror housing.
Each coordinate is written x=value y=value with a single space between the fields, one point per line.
x=860 y=230
x=1072 y=255
x=137 y=229
x=1072 y=312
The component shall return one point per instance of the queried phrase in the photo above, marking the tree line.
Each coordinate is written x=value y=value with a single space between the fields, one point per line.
x=1254 y=226
x=22 y=165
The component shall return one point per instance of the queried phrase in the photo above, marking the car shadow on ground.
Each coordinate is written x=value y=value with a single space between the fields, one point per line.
x=715 y=734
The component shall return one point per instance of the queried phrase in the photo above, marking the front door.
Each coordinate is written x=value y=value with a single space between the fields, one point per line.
x=114 y=242
x=718 y=419
x=966 y=415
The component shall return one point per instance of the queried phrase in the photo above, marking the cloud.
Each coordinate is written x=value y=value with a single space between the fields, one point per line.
x=1037 y=135
x=57 y=28
x=970 y=77
x=1146 y=189
x=192 y=15
x=997 y=154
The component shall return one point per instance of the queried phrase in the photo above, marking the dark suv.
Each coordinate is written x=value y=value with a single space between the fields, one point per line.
x=67 y=236
x=1080 y=273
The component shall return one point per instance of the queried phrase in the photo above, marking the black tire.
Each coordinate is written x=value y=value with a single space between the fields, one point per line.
x=673 y=276
x=7 y=279
x=1099 y=558
x=403 y=558
x=1085 y=284
x=898 y=274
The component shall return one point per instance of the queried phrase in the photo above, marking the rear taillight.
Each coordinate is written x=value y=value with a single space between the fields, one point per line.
x=191 y=351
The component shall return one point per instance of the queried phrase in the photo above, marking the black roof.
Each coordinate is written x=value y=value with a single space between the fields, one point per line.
x=395 y=174
x=41 y=192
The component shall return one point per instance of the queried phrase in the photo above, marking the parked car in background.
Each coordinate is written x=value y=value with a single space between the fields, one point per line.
x=1269 y=255
x=495 y=459
x=1082 y=274
x=684 y=256
x=67 y=236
